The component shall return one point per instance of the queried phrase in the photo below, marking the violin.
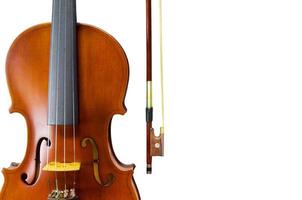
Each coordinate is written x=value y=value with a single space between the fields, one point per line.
x=68 y=80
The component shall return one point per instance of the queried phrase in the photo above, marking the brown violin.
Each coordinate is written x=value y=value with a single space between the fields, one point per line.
x=68 y=80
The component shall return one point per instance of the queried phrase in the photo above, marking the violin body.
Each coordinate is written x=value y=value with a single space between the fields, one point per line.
x=102 y=84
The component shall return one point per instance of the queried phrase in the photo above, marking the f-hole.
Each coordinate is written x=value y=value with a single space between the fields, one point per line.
x=24 y=176
x=95 y=161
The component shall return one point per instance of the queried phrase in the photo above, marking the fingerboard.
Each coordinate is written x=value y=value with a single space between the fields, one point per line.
x=63 y=92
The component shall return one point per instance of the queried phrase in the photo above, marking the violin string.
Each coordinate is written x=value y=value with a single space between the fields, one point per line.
x=65 y=74
x=50 y=102
x=47 y=152
x=57 y=99
x=73 y=95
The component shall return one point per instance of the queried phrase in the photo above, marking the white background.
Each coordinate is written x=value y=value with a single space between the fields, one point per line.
x=233 y=95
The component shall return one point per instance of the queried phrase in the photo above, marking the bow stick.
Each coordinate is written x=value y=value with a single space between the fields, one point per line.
x=155 y=144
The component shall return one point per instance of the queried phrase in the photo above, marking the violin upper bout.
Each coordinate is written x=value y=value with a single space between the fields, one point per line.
x=103 y=73
x=27 y=71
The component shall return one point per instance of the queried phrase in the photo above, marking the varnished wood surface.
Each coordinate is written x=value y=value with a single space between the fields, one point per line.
x=149 y=38
x=103 y=78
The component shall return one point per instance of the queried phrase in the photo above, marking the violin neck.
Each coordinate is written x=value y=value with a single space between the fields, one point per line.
x=62 y=94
